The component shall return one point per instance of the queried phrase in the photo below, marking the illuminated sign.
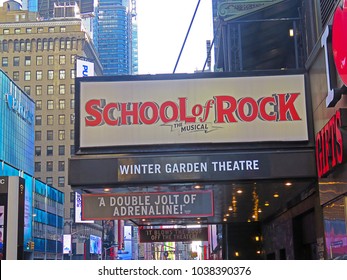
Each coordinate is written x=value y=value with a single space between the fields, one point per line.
x=174 y=111
x=336 y=34
x=331 y=144
x=147 y=205
x=173 y=235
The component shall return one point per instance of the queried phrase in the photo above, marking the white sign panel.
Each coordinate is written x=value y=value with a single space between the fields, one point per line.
x=78 y=209
x=84 y=68
x=212 y=110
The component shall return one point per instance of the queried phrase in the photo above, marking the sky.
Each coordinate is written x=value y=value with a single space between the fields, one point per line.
x=162 y=28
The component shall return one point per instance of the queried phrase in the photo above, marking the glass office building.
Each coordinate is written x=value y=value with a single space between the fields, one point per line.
x=111 y=36
x=43 y=204
x=17 y=126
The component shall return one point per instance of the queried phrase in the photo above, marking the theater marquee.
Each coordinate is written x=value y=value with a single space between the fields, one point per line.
x=199 y=110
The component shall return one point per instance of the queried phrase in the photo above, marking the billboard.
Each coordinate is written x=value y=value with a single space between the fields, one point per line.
x=95 y=245
x=195 y=110
x=84 y=68
x=67 y=244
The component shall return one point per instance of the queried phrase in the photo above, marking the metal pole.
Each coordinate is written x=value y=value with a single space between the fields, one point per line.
x=185 y=39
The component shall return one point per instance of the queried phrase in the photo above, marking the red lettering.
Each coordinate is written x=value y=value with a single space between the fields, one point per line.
x=183 y=111
x=129 y=112
x=339 y=140
x=329 y=146
x=225 y=114
x=252 y=111
x=287 y=111
x=263 y=114
x=165 y=110
x=94 y=117
x=108 y=114
x=149 y=113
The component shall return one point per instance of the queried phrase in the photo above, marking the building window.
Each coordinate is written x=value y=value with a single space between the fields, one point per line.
x=16 y=75
x=38 y=120
x=49 y=166
x=61 y=89
x=6 y=31
x=38 y=90
x=51 y=45
x=49 y=181
x=50 y=120
x=38 y=151
x=38 y=105
x=62 y=59
x=50 y=105
x=72 y=119
x=37 y=166
x=72 y=89
x=62 y=29
x=40 y=30
x=68 y=45
x=16 y=46
x=49 y=151
x=61 y=150
x=5 y=46
x=50 y=136
x=27 y=75
x=50 y=74
x=28 y=30
x=4 y=61
x=62 y=119
x=51 y=29
x=27 y=60
x=61 y=104
x=73 y=58
x=61 y=166
x=50 y=89
x=72 y=134
x=61 y=135
x=50 y=60
x=16 y=61
x=38 y=75
x=17 y=31
x=72 y=104
x=27 y=90
x=28 y=45
x=72 y=73
x=61 y=74
x=39 y=45
x=38 y=135
x=72 y=149
x=39 y=60
x=61 y=182
x=62 y=44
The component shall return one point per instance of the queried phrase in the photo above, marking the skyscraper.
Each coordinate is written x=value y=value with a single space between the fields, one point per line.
x=115 y=36
x=46 y=7
x=40 y=57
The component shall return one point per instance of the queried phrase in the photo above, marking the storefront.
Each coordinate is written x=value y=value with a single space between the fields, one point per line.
x=328 y=85
x=204 y=148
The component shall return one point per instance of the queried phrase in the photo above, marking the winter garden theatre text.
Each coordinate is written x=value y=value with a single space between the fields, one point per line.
x=189 y=167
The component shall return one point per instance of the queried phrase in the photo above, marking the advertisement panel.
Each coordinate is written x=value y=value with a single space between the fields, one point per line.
x=177 y=111
x=84 y=68
x=147 y=205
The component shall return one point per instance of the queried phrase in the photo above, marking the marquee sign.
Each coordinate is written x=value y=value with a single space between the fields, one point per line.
x=147 y=205
x=175 y=111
